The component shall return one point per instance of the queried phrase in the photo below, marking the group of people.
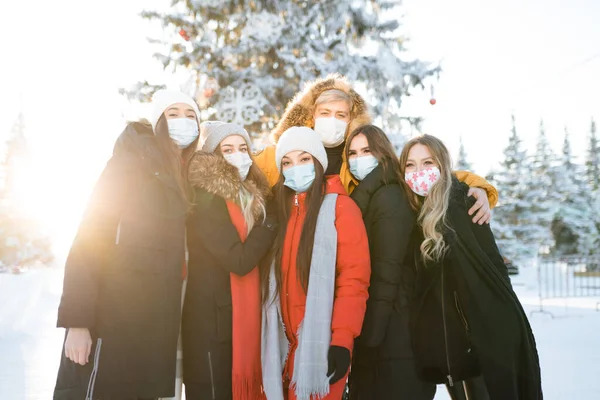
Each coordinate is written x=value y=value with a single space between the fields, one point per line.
x=323 y=266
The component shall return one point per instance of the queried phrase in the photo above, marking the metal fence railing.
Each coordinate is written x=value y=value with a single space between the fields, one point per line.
x=568 y=277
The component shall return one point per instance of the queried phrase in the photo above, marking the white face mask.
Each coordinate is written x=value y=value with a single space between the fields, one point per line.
x=183 y=131
x=241 y=161
x=360 y=167
x=422 y=181
x=331 y=130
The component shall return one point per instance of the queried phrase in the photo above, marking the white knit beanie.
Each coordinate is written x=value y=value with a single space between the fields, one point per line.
x=163 y=99
x=212 y=133
x=301 y=138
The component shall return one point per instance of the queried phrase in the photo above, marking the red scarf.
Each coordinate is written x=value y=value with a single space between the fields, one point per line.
x=246 y=310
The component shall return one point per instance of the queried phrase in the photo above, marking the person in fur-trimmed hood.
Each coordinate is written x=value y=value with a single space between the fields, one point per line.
x=228 y=233
x=334 y=109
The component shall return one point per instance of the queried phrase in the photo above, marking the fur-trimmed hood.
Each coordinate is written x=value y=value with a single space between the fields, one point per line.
x=300 y=110
x=214 y=174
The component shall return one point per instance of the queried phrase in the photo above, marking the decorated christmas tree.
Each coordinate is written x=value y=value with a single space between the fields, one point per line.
x=247 y=59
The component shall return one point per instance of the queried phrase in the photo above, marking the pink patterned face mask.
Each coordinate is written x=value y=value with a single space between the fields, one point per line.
x=421 y=181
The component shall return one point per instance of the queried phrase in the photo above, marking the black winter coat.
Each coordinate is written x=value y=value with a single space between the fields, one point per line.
x=465 y=313
x=383 y=365
x=389 y=220
x=123 y=277
x=215 y=251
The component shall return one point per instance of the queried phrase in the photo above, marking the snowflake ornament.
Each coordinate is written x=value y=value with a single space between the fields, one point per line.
x=242 y=106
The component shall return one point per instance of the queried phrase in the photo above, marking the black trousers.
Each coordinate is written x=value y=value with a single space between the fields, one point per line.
x=393 y=379
x=396 y=379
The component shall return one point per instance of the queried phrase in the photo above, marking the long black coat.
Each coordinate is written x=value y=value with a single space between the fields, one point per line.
x=486 y=328
x=383 y=366
x=215 y=251
x=123 y=277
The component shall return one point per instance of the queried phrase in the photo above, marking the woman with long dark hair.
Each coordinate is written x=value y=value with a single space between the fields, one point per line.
x=121 y=301
x=229 y=232
x=317 y=286
x=468 y=327
x=383 y=365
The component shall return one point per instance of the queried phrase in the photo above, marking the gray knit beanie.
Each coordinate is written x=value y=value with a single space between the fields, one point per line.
x=301 y=138
x=212 y=133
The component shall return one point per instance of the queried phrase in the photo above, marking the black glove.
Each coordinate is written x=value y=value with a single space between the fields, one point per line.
x=338 y=360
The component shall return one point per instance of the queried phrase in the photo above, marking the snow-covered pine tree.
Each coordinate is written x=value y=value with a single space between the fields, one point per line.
x=573 y=228
x=462 y=163
x=506 y=224
x=21 y=242
x=275 y=46
x=592 y=162
x=541 y=195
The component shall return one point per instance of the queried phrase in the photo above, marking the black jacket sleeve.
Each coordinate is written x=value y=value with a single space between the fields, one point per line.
x=219 y=236
x=390 y=233
x=482 y=234
x=487 y=242
x=93 y=241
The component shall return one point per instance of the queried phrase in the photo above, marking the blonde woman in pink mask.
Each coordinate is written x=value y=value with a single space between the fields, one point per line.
x=468 y=327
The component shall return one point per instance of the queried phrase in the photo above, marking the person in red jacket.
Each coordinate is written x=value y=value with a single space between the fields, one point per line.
x=315 y=291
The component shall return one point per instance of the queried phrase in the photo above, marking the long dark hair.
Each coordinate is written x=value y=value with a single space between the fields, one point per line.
x=284 y=199
x=175 y=163
x=381 y=148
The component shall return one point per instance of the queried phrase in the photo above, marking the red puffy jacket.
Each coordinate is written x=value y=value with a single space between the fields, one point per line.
x=353 y=271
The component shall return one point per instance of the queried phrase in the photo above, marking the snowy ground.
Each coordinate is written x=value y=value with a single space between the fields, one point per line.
x=569 y=343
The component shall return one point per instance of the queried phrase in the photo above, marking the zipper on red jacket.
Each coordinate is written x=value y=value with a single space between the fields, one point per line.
x=450 y=380
x=293 y=226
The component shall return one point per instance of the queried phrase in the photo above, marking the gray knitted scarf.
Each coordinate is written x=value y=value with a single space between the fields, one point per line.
x=314 y=334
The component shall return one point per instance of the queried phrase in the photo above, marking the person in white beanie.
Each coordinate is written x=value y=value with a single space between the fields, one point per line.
x=317 y=285
x=121 y=301
x=229 y=231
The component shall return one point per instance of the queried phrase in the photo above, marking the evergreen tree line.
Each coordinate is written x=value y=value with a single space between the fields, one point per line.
x=549 y=203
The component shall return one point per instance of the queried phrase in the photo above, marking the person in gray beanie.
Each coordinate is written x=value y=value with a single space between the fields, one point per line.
x=231 y=141
x=229 y=231
x=320 y=273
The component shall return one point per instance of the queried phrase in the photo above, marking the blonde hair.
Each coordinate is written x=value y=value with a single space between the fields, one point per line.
x=247 y=200
x=433 y=209
x=329 y=96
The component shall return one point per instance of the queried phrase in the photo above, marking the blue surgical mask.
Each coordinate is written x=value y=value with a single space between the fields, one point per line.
x=362 y=166
x=183 y=131
x=300 y=177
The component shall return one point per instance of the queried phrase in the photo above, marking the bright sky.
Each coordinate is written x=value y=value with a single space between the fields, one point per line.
x=498 y=57
x=67 y=61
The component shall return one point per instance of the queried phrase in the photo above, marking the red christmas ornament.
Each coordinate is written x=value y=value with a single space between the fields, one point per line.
x=208 y=93
x=184 y=34
x=432 y=101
